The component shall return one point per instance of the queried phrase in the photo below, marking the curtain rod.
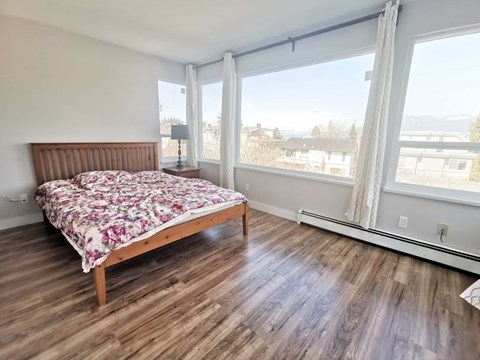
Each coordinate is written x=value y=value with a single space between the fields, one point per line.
x=293 y=40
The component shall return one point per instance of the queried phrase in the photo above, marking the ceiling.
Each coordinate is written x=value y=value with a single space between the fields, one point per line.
x=188 y=30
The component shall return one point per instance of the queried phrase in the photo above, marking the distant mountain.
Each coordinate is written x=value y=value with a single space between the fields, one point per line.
x=453 y=123
x=295 y=133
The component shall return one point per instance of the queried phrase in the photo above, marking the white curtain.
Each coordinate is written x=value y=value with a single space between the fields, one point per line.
x=366 y=191
x=228 y=121
x=192 y=115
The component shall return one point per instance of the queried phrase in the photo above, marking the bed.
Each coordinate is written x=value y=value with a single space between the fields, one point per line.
x=75 y=178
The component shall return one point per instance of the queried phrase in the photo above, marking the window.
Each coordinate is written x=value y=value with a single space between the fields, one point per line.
x=289 y=152
x=439 y=143
x=457 y=165
x=210 y=122
x=306 y=119
x=172 y=110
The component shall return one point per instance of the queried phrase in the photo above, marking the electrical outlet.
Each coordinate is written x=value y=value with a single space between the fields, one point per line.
x=442 y=227
x=402 y=222
x=247 y=187
x=24 y=198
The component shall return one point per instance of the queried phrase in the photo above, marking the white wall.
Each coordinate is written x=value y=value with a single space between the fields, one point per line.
x=56 y=86
x=285 y=194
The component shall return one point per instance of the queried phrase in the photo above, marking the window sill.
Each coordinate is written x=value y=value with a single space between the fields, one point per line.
x=425 y=195
x=209 y=161
x=298 y=175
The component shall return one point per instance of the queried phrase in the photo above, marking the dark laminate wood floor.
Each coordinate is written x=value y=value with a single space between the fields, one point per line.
x=289 y=292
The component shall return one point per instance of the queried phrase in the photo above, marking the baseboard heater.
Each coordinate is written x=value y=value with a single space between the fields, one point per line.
x=441 y=254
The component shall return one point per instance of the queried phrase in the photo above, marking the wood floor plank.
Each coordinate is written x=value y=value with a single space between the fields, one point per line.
x=288 y=292
x=379 y=322
x=404 y=349
x=240 y=343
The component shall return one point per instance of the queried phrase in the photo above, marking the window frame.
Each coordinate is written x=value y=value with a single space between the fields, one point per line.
x=169 y=159
x=334 y=179
x=424 y=191
x=200 y=119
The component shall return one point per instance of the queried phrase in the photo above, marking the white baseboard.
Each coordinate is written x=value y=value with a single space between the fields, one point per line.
x=286 y=214
x=423 y=249
x=20 y=220
x=427 y=251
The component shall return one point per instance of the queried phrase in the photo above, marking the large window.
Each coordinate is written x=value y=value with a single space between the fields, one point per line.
x=306 y=119
x=210 y=121
x=172 y=109
x=439 y=142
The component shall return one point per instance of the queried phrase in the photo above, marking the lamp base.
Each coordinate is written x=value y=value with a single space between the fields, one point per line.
x=179 y=162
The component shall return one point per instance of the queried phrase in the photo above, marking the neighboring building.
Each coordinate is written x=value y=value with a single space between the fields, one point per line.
x=327 y=156
x=256 y=132
x=434 y=163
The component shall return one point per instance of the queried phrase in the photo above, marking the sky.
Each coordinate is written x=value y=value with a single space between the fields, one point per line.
x=445 y=77
x=444 y=80
x=308 y=96
x=172 y=102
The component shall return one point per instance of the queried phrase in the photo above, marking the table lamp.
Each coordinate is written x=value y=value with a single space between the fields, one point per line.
x=180 y=132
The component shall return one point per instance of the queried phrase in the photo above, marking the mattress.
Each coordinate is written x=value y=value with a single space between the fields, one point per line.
x=101 y=211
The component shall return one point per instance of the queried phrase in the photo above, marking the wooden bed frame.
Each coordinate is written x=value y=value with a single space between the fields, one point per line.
x=54 y=161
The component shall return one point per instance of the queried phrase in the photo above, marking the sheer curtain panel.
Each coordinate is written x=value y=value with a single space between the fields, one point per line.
x=228 y=121
x=192 y=115
x=366 y=191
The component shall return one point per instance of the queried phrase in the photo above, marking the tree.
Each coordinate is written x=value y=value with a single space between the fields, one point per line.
x=331 y=130
x=258 y=151
x=172 y=121
x=276 y=134
x=474 y=135
x=474 y=130
x=353 y=133
x=316 y=133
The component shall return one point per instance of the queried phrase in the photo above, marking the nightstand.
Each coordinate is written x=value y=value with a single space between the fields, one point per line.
x=186 y=171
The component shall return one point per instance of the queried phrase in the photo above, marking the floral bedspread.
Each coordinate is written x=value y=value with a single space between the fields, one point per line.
x=101 y=211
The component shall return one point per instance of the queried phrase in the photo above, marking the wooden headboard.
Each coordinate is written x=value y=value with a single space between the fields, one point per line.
x=65 y=160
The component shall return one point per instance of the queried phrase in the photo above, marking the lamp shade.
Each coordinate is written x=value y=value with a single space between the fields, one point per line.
x=180 y=132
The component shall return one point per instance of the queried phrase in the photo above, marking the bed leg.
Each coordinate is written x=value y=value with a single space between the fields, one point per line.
x=45 y=219
x=245 y=220
x=99 y=277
